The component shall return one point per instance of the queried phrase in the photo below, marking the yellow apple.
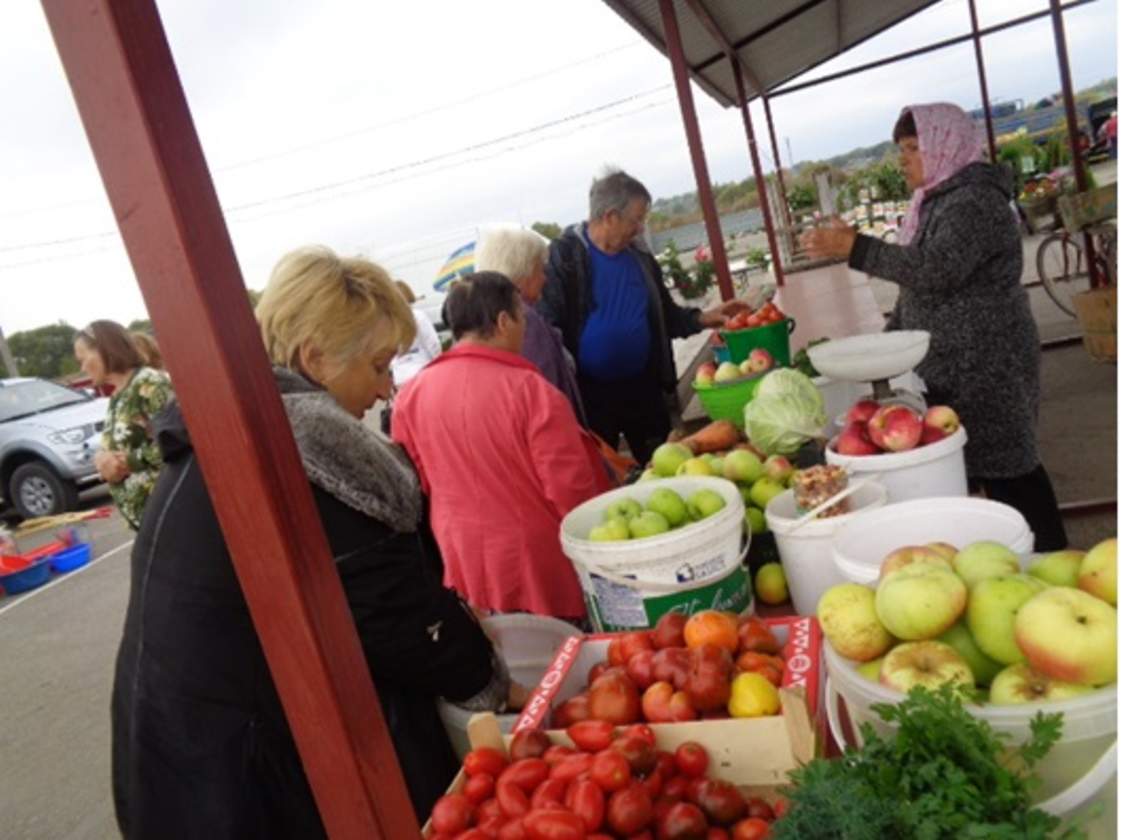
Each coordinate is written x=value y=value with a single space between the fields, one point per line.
x=847 y=615
x=908 y=554
x=920 y=601
x=929 y=664
x=985 y=559
x=1061 y=568
x=1022 y=684
x=1098 y=571
x=772 y=587
x=1069 y=635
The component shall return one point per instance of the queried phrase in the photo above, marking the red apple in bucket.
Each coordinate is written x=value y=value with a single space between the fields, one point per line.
x=705 y=374
x=861 y=412
x=895 y=428
x=760 y=360
x=940 y=422
x=854 y=440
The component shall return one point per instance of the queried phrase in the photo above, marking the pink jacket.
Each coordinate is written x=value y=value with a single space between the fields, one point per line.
x=502 y=459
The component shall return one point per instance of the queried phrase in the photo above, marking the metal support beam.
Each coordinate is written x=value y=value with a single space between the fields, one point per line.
x=694 y=141
x=758 y=177
x=981 y=65
x=777 y=163
x=1067 y=96
x=138 y=123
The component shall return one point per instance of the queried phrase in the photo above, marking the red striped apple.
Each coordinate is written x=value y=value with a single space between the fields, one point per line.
x=861 y=412
x=705 y=374
x=760 y=360
x=895 y=428
x=1068 y=635
x=939 y=422
x=854 y=440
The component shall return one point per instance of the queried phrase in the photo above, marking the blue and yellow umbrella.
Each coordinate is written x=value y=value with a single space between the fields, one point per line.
x=459 y=263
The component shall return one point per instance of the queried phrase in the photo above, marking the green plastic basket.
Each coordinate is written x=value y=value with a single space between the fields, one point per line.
x=773 y=337
x=728 y=402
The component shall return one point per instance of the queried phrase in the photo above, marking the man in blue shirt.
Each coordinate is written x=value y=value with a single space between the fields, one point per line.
x=606 y=295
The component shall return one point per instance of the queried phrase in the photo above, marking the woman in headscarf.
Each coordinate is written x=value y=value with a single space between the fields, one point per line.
x=959 y=267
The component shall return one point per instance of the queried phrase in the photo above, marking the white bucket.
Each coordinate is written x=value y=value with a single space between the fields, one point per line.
x=1078 y=768
x=806 y=552
x=860 y=548
x=696 y=551
x=937 y=469
x=528 y=643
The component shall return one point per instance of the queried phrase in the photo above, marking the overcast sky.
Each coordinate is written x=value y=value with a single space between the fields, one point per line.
x=343 y=122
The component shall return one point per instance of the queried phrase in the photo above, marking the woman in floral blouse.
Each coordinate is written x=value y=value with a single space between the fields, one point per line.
x=129 y=460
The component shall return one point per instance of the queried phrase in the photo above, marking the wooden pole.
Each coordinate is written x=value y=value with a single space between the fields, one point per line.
x=138 y=123
x=981 y=65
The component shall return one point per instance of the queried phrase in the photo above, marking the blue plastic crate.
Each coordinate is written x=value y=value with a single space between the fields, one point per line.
x=33 y=576
x=71 y=558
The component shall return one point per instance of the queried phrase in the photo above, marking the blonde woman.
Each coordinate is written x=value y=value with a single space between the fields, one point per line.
x=200 y=740
x=520 y=254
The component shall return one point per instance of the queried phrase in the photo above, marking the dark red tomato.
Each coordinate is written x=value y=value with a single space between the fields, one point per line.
x=662 y=805
x=571 y=711
x=549 y=794
x=636 y=641
x=452 y=813
x=611 y=771
x=751 y=828
x=722 y=802
x=488 y=809
x=758 y=807
x=640 y=730
x=557 y=753
x=484 y=760
x=512 y=799
x=493 y=825
x=715 y=833
x=615 y=654
x=639 y=753
x=683 y=821
x=654 y=783
x=599 y=837
x=666 y=764
x=586 y=799
x=474 y=834
x=691 y=759
x=596 y=670
x=592 y=735
x=514 y=829
x=668 y=632
x=639 y=668
x=525 y=774
x=478 y=788
x=645 y=834
x=573 y=766
x=554 y=825
x=694 y=788
x=614 y=698
x=529 y=743
x=629 y=810
x=675 y=787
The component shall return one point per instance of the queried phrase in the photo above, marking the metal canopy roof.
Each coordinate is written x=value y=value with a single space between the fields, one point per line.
x=776 y=40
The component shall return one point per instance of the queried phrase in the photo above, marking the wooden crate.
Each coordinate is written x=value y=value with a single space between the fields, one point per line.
x=1096 y=313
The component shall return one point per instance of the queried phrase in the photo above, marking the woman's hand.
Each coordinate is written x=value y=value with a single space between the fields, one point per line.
x=111 y=466
x=835 y=239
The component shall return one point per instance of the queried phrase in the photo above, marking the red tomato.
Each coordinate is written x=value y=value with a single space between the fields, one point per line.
x=751 y=828
x=611 y=771
x=615 y=654
x=614 y=698
x=529 y=743
x=638 y=752
x=694 y=788
x=672 y=665
x=754 y=634
x=629 y=810
x=571 y=711
x=488 y=809
x=668 y=631
x=493 y=825
x=478 y=788
x=758 y=807
x=586 y=798
x=601 y=837
x=549 y=794
x=691 y=759
x=592 y=735
x=525 y=774
x=755 y=320
x=484 y=760
x=600 y=667
x=452 y=813
x=637 y=641
x=777 y=316
x=714 y=833
x=654 y=783
x=573 y=766
x=722 y=802
x=556 y=754
x=514 y=829
x=683 y=821
x=474 y=834
x=639 y=668
x=554 y=825
x=666 y=764
x=675 y=787
x=512 y=799
x=640 y=730
x=662 y=805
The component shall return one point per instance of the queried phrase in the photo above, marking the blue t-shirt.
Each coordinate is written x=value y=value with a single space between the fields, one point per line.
x=616 y=340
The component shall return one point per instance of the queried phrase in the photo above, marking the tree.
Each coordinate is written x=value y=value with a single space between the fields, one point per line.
x=549 y=230
x=45 y=351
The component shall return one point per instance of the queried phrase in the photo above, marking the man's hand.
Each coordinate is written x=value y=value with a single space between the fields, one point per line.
x=111 y=466
x=835 y=239
x=718 y=316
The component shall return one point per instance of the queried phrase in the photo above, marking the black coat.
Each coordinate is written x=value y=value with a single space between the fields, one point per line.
x=201 y=748
x=961 y=280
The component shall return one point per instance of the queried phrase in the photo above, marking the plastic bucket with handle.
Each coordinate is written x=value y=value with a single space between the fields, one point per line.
x=772 y=337
x=937 y=469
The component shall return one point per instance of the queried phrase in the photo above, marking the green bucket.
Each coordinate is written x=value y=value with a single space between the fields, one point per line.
x=772 y=337
x=728 y=401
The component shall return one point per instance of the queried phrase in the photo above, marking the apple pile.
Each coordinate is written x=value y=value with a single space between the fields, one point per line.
x=763 y=317
x=713 y=664
x=872 y=429
x=610 y=783
x=972 y=618
x=758 y=362
x=626 y=519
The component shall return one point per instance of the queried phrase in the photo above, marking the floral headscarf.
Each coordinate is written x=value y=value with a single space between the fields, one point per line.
x=948 y=140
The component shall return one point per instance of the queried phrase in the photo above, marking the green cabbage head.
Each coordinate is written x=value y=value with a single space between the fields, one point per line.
x=786 y=412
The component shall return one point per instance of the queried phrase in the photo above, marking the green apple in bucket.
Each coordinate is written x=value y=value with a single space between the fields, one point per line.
x=612 y=530
x=648 y=524
x=667 y=458
x=624 y=509
x=1059 y=568
x=703 y=503
x=670 y=504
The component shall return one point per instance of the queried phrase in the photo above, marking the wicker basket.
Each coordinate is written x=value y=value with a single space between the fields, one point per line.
x=1096 y=313
x=1087 y=208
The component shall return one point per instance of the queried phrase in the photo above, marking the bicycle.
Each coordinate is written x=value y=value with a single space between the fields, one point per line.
x=1063 y=265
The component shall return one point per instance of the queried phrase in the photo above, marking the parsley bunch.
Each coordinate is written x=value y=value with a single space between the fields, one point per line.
x=942 y=776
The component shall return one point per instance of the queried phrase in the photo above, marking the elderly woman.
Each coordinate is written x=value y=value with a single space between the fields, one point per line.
x=959 y=266
x=128 y=460
x=201 y=744
x=502 y=457
x=520 y=254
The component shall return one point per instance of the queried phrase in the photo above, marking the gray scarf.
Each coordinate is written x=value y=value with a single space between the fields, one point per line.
x=362 y=468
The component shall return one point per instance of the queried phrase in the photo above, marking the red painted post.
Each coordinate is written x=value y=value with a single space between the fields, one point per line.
x=1067 y=96
x=138 y=123
x=759 y=178
x=981 y=64
x=694 y=141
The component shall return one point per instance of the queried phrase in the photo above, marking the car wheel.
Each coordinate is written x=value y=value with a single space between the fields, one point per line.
x=38 y=490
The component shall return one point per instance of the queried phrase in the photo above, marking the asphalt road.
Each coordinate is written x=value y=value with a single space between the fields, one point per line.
x=57 y=649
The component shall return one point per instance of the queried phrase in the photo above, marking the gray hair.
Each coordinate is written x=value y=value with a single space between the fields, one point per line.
x=511 y=251
x=614 y=190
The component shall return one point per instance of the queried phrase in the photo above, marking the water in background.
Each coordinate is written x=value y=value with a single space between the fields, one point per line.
x=693 y=235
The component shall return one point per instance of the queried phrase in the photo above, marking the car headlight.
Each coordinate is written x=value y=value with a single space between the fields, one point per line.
x=72 y=436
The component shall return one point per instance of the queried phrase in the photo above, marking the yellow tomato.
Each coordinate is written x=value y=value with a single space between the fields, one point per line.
x=752 y=695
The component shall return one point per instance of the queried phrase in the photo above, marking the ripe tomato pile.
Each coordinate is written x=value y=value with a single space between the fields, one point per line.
x=767 y=314
x=612 y=783
x=682 y=670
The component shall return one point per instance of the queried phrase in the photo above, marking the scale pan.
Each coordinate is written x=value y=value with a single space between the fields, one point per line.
x=867 y=358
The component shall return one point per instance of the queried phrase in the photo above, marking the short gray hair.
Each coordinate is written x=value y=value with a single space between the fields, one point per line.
x=614 y=190
x=511 y=251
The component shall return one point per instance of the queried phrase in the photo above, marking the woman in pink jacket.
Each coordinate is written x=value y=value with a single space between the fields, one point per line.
x=501 y=456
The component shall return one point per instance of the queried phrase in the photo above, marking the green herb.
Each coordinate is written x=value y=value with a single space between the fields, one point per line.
x=943 y=775
x=803 y=363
